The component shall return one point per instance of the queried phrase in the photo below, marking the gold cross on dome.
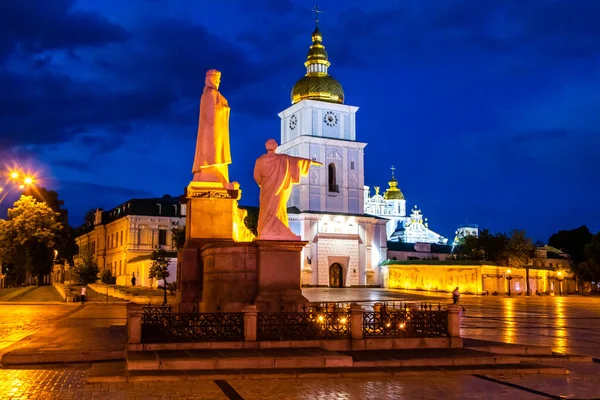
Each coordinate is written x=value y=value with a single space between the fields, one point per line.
x=317 y=11
x=393 y=169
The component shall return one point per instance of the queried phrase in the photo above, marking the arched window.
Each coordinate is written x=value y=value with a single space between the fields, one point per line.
x=333 y=187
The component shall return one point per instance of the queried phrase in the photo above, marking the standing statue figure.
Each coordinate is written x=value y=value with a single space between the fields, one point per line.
x=276 y=174
x=213 y=154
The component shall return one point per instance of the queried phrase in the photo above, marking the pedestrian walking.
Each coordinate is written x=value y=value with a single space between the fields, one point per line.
x=133 y=279
x=82 y=294
x=455 y=295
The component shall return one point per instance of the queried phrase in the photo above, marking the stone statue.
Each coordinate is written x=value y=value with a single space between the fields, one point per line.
x=213 y=154
x=276 y=174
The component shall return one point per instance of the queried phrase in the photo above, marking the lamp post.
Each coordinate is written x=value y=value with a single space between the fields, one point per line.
x=560 y=279
x=508 y=278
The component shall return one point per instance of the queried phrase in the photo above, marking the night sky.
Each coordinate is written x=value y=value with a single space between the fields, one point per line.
x=490 y=110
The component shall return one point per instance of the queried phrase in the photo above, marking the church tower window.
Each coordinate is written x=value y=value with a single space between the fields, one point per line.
x=333 y=187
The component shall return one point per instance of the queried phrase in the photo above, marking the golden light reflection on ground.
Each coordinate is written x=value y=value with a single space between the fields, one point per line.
x=559 y=323
x=509 y=315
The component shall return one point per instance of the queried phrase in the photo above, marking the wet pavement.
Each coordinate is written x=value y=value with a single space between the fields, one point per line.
x=70 y=383
x=567 y=324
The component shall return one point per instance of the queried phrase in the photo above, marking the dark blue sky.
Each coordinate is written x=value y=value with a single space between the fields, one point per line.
x=490 y=110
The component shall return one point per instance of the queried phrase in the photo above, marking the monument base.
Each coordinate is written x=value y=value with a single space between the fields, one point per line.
x=278 y=273
x=212 y=216
x=229 y=276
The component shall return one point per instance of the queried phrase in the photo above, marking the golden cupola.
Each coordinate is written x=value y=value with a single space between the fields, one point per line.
x=393 y=193
x=317 y=84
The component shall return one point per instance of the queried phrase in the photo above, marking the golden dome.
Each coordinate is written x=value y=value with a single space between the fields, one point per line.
x=317 y=84
x=393 y=193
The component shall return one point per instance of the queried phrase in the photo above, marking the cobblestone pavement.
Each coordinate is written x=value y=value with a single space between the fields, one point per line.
x=568 y=324
x=17 y=321
x=70 y=383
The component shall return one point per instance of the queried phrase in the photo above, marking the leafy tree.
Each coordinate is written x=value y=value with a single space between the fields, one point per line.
x=485 y=247
x=108 y=278
x=572 y=242
x=86 y=270
x=590 y=266
x=251 y=220
x=160 y=269
x=28 y=236
x=65 y=245
x=178 y=237
x=520 y=252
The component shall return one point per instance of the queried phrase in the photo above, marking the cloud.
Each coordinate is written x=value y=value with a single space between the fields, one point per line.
x=36 y=25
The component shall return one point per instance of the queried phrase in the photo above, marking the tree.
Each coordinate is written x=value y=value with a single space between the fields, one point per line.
x=251 y=220
x=520 y=252
x=178 y=237
x=160 y=269
x=589 y=268
x=65 y=246
x=86 y=270
x=108 y=278
x=28 y=236
x=485 y=247
x=574 y=242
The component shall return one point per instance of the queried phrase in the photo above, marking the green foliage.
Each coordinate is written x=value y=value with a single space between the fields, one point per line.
x=160 y=269
x=251 y=220
x=65 y=245
x=572 y=242
x=520 y=251
x=28 y=237
x=108 y=278
x=589 y=268
x=86 y=270
x=485 y=247
x=160 y=265
x=178 y=237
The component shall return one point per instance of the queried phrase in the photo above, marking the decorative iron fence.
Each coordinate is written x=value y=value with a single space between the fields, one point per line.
x=303 y=325
x=160 y=324
x=405 y=323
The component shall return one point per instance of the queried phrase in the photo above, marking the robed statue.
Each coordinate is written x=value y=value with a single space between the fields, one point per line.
x=276 y=174
x=213 y=154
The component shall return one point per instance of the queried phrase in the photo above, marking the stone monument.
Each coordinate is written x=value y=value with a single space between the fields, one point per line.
x=212 y=209
x=221 y=266
x=279 y=249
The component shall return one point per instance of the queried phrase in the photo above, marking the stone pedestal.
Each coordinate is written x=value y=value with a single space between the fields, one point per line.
x=212 y=213
x=229 y=276
x=278 y=269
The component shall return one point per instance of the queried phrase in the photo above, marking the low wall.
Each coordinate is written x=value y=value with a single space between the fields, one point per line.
x=115 y=291
x=65 y=292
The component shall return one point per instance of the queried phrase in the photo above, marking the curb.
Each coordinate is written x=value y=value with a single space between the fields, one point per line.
x=115 y=372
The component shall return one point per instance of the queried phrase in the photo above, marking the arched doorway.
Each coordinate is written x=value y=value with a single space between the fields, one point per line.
x=336 y=276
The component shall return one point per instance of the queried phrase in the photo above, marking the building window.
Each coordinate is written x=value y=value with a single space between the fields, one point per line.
x=120 y=266
x=162 y=237
x=351 y=164
x=121 y=238
x=159 y=209
x=117 y=239
x=333 y=187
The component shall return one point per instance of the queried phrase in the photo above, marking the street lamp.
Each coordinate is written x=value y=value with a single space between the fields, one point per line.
x=508 y=278
x=560 y=279
x=13 y=182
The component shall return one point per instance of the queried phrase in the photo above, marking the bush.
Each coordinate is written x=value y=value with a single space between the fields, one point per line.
x=108 y=278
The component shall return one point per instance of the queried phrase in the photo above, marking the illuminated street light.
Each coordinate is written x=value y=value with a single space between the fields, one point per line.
x=560 y=279
x=28 y=180
x=508 y=278
x=14 y=175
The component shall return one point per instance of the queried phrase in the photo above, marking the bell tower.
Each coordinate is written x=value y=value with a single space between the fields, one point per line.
x=318 y=125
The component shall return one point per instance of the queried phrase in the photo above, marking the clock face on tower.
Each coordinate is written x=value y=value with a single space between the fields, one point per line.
x=330 y=118
x=293 y=122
